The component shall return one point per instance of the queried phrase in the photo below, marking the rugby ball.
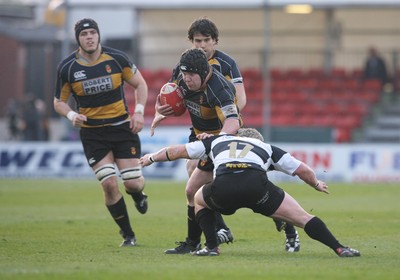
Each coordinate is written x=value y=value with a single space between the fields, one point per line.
x=171 y=94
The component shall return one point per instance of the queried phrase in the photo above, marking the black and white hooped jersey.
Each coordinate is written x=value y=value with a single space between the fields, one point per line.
x=232 y=153
x=96 y=87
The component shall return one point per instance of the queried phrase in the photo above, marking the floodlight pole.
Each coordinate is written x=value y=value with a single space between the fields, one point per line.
x=266 y=74
x=65 y=45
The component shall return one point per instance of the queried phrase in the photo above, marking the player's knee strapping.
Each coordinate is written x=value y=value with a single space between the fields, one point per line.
x=104 y=172
x=131 y=173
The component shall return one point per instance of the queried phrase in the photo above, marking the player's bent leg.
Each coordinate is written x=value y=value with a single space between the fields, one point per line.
x=120 y=215
x=206 y=219
x=291 y=211
x=106 y=174
x=114 y=201
x=316 y=229
x=192 y=242
x=191 y=165
x=131 y=175
x=134 y=187
x=195 y=182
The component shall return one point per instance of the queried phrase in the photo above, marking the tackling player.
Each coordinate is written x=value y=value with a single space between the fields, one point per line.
x=240 y=181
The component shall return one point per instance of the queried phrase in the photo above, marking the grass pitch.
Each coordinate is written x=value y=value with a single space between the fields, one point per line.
x=60 y=229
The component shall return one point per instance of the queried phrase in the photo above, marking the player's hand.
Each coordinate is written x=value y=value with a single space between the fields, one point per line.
x=78 y=120
x=165 y=110
x=137 y=123
x=144 y=160
x=322 y=187
x=156 y=121
x=204 y=135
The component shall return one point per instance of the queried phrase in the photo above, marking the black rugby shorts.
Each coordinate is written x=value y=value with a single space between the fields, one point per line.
x=245 y=188
x=99 y=141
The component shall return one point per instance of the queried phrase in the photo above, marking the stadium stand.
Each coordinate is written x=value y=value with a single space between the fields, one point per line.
x=385 y=127
x=298 y=98
x=309 y=98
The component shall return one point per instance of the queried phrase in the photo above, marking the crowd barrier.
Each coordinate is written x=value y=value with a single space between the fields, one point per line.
x=331 y=162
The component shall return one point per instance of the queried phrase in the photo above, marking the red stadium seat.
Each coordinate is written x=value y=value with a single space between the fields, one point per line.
x=372 y=85
x=315 y=73
x=295 y=73
x=277 y=74
x=338 y=73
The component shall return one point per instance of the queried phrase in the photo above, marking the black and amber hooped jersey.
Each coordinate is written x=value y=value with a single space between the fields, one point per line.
x=96 y=87
x=210 y=108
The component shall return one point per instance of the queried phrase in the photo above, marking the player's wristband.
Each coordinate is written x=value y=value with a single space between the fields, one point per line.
x=166 y=154
x=139 y=108
x=316 y=185
x=151 y=159
x=71 y=114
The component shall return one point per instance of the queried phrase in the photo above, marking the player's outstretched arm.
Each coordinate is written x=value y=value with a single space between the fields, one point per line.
x=306 y=174
x=165 y=154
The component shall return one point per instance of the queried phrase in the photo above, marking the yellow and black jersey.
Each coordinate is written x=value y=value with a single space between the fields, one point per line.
x=208 y=109
x=96 y=87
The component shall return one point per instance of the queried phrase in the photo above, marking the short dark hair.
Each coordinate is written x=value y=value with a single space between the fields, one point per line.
x=205 y=27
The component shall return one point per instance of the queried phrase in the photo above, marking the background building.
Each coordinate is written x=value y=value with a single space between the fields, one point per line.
x=283 y=56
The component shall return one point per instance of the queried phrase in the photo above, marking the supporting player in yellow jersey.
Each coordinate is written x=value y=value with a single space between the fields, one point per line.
x=94 y=76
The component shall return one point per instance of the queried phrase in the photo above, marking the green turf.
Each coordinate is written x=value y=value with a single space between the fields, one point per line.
x=60 y=229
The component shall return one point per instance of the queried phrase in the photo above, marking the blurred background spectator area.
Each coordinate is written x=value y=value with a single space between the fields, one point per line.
x=300 y=70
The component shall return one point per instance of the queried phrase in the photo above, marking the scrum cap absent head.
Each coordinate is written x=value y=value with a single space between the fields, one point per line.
x=86 y=23
x=195 y=61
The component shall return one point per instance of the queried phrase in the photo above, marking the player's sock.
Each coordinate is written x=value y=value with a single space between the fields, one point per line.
x=316 y=229
x=206 y=219
x=220 y=222
x=194 y=229
x=120 y=215
x=289 y=229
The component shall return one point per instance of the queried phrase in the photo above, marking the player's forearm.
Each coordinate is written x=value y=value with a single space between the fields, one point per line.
x=305 y=173
x=240 y=96
x=231 y=126
x=141 y=94
x=61 y=107
x=171 y=153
